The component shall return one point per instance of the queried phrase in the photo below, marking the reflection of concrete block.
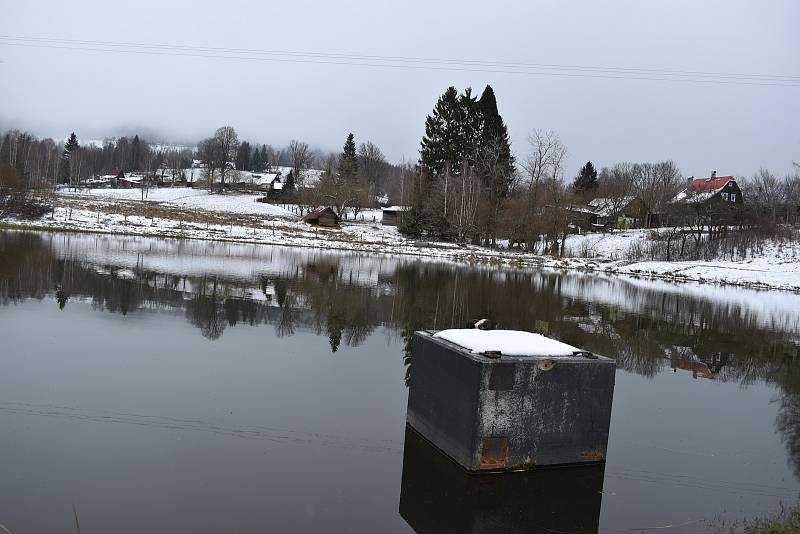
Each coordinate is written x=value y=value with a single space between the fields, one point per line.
x=437 y=495
x=504 y=400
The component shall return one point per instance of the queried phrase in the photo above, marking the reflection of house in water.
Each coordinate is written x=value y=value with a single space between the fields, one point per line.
x=706 y=367
x=437 y=495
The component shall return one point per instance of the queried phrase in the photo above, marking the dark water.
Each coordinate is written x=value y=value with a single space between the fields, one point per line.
x=168 y=386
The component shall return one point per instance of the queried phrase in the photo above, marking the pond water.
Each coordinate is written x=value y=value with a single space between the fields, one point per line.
x=188 y=386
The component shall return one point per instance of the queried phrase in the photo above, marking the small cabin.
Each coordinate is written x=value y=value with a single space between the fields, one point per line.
x=610 y=213
x=322 y=217
x=393 y=215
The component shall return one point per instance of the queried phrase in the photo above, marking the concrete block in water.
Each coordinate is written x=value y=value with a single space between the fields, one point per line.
x=492 y=404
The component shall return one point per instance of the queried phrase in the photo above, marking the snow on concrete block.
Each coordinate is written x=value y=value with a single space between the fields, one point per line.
x=507 y=342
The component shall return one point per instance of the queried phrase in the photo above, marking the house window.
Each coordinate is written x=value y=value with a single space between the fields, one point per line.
x=724 y=196
x=733 y=197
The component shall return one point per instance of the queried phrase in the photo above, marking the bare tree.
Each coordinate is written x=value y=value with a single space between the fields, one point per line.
x=765 y=192
x=545 y=162
x=227 y=146
x=301 y=157
x=791 y=194
x=207 y=154
x=336 y=192
x=464 y=198
x=372 y=163
x=617 y=187
x=657 y=183
x=498 y=177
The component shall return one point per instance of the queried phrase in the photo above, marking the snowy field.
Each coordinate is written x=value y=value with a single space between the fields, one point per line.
x=186 y=197
x=777 y=268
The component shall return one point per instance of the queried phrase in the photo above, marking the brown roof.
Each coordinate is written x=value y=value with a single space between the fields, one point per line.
x=315 y=215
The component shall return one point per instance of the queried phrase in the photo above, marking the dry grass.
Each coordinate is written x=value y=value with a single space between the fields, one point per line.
x=785 y=521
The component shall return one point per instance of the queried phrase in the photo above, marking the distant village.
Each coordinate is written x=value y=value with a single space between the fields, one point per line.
x=467 y=186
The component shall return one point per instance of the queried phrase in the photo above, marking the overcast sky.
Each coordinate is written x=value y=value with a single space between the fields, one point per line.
x=731 y=127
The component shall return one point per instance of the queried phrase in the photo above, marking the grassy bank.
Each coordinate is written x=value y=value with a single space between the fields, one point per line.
x=785 y=521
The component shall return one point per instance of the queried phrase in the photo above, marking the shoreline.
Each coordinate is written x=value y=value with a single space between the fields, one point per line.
x=727 y=273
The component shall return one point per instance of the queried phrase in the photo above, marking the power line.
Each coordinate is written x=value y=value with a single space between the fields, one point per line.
x=405 y=62
x=772 y=77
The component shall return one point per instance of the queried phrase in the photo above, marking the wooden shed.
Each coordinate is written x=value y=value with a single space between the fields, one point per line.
x=393 y=215
x=322 y=217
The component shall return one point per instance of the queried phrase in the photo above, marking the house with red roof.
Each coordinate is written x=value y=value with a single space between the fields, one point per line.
x=324 y=216
x=712 y=191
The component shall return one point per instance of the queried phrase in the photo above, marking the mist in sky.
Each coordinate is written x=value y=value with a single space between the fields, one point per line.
x=180 y=94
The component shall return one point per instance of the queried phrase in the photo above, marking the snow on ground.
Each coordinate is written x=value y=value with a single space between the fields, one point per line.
x=605 y=245
x=777 y=268
x=187 y=197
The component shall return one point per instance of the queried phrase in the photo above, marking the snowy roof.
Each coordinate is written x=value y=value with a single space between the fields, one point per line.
x=702 y=189
x=397 y=208
x=264 y=178
x=606 y=207
x=507 y=342
x=310 y=177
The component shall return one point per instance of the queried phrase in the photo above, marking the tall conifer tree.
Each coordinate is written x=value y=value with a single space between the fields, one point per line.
x=257 y=162
x=136 y=154
x=494 y=130
x=348 y=160
x=70 y=147
x=441 y=145
x=586 y=180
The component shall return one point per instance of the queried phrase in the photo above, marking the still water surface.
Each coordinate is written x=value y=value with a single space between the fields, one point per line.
x=184 y=386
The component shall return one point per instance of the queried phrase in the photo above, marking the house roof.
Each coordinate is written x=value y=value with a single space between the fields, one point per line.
x=315 y=215
x=396 y=208
x=264 y=178
x=606 y=207
x=707 y=184
x=702 y=189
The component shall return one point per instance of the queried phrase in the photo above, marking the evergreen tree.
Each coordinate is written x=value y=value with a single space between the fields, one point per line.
x=494 y=131
x=586 y=180
x=61 y=298
x=493 y=160
x=470 y=127
x=265 y=162
x=243 y=157
x=440 y=146
x=5 y=149
x=136 y=154
x=289 y=184
x=70 y=147
x=257 y=162
x=348 y=160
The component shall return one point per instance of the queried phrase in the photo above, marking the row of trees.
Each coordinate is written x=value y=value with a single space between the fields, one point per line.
x=775 y=197
x=349 y=180
x=467 y=186
x=41 y=162
x=466 y=169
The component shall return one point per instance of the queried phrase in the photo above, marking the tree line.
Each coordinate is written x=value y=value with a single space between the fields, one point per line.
x=32 y=162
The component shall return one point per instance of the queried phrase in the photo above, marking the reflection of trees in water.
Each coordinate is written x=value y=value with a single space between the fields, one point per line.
x=206 y=311
x=644 y=330
x=788 y=424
